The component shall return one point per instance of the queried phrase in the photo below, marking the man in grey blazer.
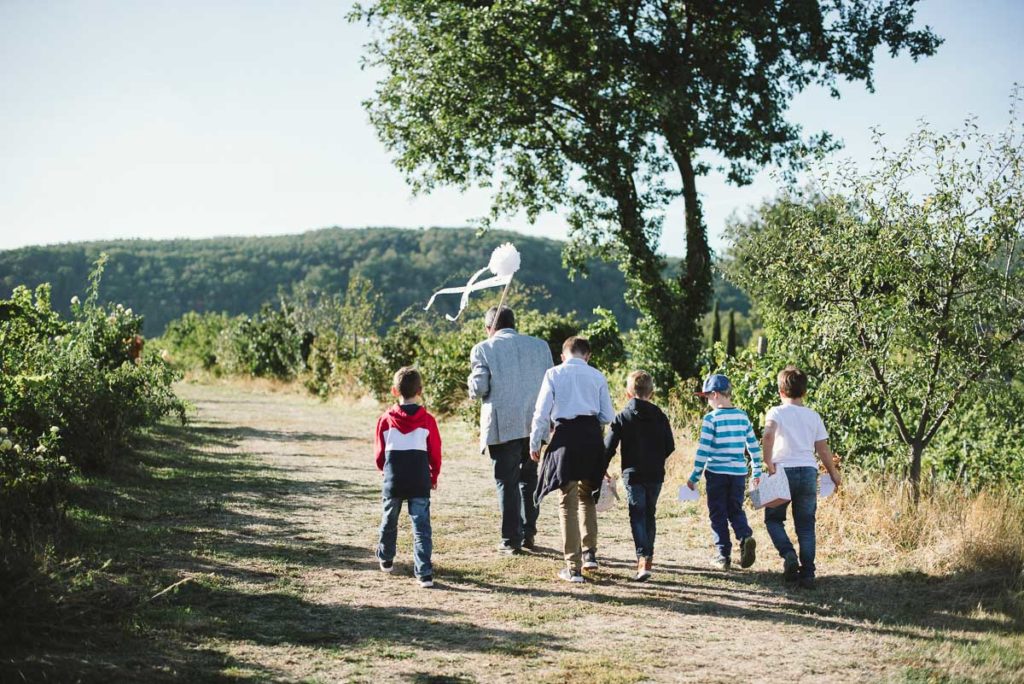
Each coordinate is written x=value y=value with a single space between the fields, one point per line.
x=507 y=371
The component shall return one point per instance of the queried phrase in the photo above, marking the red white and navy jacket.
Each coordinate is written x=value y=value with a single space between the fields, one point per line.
x=408 y=451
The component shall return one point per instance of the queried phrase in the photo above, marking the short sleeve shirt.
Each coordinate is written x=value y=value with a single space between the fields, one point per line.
x=798 y=428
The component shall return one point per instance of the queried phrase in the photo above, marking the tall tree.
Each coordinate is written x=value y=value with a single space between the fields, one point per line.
x=716 y=325
x=606 y=108
x=914 y=298
x=730 y=340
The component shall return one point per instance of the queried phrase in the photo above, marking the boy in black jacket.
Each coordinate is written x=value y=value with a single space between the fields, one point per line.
x=646 y=437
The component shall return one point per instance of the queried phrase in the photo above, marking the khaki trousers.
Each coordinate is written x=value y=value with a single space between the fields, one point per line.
x=578 y=519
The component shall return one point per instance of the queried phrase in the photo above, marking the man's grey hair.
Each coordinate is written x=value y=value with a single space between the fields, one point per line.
x=499 y=321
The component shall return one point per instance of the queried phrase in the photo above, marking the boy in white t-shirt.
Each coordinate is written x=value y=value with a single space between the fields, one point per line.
x=793 y=436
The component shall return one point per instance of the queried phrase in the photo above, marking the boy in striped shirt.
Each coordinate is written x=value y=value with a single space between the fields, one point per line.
x=725 y=435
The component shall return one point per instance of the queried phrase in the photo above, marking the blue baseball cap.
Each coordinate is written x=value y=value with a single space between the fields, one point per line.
x=715 y=383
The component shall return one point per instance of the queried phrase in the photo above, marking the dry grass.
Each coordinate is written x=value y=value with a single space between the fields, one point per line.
x=269 y=501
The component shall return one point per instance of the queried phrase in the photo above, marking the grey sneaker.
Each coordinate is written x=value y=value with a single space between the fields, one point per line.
x=570 y=576
x=747 y=552
x=790 y=567
x=721 y=563
x=589 y=560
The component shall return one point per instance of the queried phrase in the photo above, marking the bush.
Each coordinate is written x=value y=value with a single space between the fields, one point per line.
x=72 y=393
x=192 y=340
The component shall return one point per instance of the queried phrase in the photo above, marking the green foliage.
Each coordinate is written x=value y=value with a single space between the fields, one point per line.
x=267 y=345
x=905 y=304
x=72 y=394
x=192 y=340
x=609 y=350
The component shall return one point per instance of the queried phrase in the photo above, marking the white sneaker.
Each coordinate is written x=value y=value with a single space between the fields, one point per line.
x=590 y=560
x=427 y=581
x=386 y=566
x=570 y=576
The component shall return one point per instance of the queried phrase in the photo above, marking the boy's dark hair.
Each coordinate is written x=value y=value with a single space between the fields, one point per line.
x=408 y=382
x=577 y=346
x=499 y=320
x=792 y=382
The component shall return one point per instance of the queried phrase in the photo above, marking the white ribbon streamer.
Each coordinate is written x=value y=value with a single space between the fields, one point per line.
x=470 y=287
x=505 y=261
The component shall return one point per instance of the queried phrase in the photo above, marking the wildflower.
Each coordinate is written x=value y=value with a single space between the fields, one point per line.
x=63 y=459
x=128 y=312
x=165 y=355
x=5 y=445
x=17 y=448
x=75 y=301
x=3 y=432
x=54 y=429
x=41 y=449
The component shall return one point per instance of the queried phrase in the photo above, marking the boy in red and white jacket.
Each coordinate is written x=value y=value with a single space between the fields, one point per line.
x=408 y=452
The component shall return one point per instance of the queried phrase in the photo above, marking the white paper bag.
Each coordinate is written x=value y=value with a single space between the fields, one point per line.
x=826 y=487
x=771 y=491
x=609 y=495
x=687 y=494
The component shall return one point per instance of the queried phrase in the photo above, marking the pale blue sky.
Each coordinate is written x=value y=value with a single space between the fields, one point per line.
x=193 y=119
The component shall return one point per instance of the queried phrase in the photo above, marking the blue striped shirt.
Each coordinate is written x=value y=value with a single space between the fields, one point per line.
x=725 y=435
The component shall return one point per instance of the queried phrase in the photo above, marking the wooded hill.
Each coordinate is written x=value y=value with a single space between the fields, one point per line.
x=162 y=279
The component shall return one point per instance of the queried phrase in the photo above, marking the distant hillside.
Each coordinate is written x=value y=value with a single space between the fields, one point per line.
x=162 y=279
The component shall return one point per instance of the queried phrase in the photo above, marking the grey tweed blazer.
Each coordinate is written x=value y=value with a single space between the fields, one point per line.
x=507 y=371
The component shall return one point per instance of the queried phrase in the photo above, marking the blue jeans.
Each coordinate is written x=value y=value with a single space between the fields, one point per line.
x=725 y=507
x=515 y=475
x=803 y=492
x=643 y=507
x=422 y=546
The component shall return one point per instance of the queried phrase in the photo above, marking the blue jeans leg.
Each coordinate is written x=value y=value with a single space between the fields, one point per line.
x=653 y=492
x=515 y=494
x=737 y=517
x=718 y=492
x=422 y=543
x=388 y=528
x=803 y=491
x=636 y=500
x=530 y=511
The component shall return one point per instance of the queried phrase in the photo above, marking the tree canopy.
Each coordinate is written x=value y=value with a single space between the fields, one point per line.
x=608 y=110
x=904 y=282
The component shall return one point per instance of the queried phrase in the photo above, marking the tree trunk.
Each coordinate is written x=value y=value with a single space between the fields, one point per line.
x=648 y=288
x=916 y=451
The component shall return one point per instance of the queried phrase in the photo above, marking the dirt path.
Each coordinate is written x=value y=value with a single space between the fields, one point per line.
x=296 y=595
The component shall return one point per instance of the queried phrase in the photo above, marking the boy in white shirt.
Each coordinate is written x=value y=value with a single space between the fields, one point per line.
x=793 y=435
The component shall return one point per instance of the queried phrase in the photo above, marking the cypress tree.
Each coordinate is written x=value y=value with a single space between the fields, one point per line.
x=730 y=344
x=716 y=326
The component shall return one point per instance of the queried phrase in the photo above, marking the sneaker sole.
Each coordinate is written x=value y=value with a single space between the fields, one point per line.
x=388 y=570
x=748 y=554
x=642 y=577
x=590 y=566
x=426 y=585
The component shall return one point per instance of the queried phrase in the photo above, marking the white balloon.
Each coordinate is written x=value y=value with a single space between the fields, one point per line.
x=505 y=260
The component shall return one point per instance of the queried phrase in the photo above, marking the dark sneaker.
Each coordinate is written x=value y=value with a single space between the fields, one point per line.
x=721 y=563
x=589 y=560
x=571 y=576
x=747 y=552
x=790 y=568
x=508 y=549
x=386 y=566
x=529 y=544
x=807 y=583
x=427 y=581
